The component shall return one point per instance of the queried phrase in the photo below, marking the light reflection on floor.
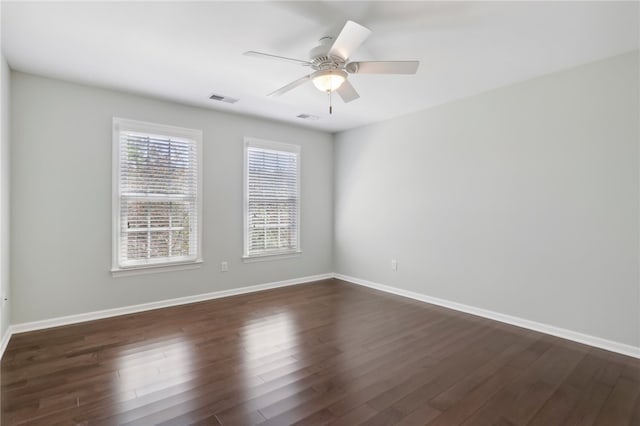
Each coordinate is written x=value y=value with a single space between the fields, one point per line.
x=263 y=338
x=153 y=367
x=171 y=364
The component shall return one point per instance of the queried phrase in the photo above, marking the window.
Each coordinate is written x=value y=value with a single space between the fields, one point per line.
x=272 y=198
x=156 y=195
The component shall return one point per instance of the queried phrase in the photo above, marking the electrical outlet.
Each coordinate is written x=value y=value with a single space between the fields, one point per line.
x=224 y=266
x=394 y=265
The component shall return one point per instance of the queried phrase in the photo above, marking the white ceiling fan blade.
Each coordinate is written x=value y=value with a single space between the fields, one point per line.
x=347 y=92
x=349 y=39
x=276 y=57
x=383 y=67
x=291 y=86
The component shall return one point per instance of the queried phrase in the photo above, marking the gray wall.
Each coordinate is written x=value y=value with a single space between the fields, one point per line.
x=523 y=200
x=61 y=200
x=5 y=134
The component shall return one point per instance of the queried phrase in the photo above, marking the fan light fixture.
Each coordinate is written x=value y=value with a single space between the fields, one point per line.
x=328 y=80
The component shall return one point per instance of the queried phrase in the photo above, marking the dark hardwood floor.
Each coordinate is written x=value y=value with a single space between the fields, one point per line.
x=322 y=353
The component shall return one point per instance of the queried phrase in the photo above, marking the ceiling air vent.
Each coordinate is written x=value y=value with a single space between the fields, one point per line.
x=223 y=99
x=308 y=117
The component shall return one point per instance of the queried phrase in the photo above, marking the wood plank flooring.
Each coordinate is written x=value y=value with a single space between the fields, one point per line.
x=329 y=352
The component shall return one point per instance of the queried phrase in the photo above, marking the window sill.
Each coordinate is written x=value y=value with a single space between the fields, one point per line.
x=271 y=256
x=154 y=269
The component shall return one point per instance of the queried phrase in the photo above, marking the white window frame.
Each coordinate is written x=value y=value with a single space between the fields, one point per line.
x=119 y=269
x=270 y=254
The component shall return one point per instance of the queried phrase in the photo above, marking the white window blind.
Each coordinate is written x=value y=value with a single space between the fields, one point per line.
x=158 y=194
x=272 y=198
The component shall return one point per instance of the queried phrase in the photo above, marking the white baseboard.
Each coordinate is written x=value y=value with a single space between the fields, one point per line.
x=5 y=341
x=107 y=313
x=586 y=339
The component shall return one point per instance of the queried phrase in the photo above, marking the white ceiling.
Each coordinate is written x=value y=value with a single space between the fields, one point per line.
x=187 y=51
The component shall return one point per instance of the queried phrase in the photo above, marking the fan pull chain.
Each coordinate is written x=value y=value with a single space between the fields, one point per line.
x=330 y=106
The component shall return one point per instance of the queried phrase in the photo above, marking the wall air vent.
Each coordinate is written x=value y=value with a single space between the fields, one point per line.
x=308 y=117
x=223 y=99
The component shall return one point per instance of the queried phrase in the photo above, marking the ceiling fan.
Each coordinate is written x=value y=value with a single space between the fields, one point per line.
x=330 y=62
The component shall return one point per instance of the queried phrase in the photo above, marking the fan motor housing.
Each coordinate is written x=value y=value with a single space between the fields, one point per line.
x=326 y=62
x=320 y=58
